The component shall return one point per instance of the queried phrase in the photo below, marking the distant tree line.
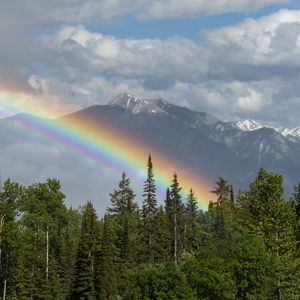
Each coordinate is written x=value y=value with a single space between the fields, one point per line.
x=246 y=246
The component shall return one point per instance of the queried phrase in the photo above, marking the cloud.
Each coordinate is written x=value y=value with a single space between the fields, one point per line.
x=171 y=9
x=247 y=70
x=29 y=13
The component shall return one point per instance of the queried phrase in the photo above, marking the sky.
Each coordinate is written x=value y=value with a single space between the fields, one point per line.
x=235 y=59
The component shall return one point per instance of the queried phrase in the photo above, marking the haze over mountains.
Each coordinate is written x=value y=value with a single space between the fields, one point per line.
x=198 y=140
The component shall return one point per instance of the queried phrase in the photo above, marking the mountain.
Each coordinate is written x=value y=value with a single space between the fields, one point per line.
x=200 y=141
x=249 y=125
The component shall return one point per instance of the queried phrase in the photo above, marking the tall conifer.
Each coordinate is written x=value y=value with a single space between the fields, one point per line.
x=84 y=283
x=175 y=213
x=222 y=190
x=191 y=223
x=149 y=212
x=125 y=212
x=106 y=263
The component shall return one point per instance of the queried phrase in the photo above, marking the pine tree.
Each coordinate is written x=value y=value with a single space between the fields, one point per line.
x=106 y=263
x=122 y=200
x=274 y=219
x=192 y=226
x=222 y=190
x=125 y=212
x=175 y=213
x=162 y=237
x=149 y=212
x=84 y=282
x=68 y=244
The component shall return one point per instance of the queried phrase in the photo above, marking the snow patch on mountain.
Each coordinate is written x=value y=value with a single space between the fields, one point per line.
x=138 y=105
x=250 y=125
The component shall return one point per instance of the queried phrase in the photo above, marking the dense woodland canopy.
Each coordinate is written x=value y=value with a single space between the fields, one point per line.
x=246 y=246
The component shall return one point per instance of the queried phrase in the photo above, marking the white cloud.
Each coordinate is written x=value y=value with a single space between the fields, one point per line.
x=160 y=9
x=241 y=70
x=272 y=40
x=15 y=13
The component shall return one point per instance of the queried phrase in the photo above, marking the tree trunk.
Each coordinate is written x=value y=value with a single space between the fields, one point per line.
x=4 y=289
x=175 y=238
x=1 y=226
x=47 y=253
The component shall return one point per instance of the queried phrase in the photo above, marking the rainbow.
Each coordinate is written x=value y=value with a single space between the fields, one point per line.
x=103 y=144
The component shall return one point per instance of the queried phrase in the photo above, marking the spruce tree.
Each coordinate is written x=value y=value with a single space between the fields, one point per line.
x=175 y=213
x=269 y=215
x=125 y=212
x=222 y=190
x=191 y=222
x=106 y=263
x=149 y=212
x=162 y=237
x=122 y=199
x=84 y=281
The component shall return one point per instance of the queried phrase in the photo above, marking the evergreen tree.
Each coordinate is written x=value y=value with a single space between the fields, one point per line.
x=175 y=214
x=84 y=281
x=191 y=222
x=221 y=190
x=149 y=212
x=126 y=214
x=106 y=263
x=268 y=215
x=162 y=237
x=69 y=239
x=163 y=282
x=122 y=200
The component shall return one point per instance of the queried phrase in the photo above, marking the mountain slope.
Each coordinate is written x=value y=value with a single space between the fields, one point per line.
x=201 y=142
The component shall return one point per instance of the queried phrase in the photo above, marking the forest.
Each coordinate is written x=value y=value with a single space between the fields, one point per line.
x=245 y=246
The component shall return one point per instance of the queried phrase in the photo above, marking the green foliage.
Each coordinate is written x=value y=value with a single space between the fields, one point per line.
x=222 y=190
x=268 y=215
x=175 y=213
x=84 y=281
x=106 y=263
x=125 y=213
x=244 y=247
x=159 y=282
x=9 y=236
x=192 y=226
x=149 y=211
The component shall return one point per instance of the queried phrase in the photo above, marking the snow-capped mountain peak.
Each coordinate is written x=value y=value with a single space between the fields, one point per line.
x=295 y=132
x=248 y=125
x=138 y=105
